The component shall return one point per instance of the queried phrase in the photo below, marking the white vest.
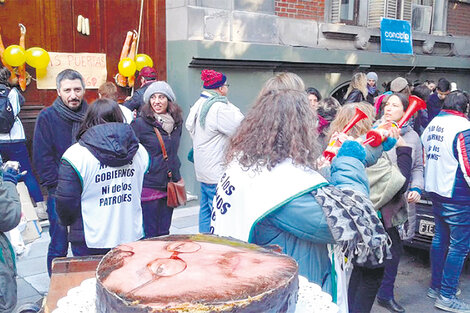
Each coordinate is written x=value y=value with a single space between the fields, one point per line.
x=243 y=198
x=441 y=164
x=111 y=208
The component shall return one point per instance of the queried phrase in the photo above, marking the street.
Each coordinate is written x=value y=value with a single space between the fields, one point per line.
x=413 y=279
x=414 y=275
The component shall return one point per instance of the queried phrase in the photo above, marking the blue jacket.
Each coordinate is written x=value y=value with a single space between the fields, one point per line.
x=157 y=177
x=52 y=136
x=113 y=144
x=307 y=244
x=434 y=106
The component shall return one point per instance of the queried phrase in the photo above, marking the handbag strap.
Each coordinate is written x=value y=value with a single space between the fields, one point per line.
x=162 y=145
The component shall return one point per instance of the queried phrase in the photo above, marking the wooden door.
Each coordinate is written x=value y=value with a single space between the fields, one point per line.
x=52 y=24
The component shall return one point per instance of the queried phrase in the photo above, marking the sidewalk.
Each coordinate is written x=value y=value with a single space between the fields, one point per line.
x=33 y=280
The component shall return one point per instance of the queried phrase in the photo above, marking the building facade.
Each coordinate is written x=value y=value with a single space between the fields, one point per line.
x=323 y=41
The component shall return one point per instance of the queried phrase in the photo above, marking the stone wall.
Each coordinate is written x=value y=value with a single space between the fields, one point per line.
x=297 y=23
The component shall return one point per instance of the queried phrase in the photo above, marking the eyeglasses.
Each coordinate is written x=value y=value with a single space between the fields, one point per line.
x=165 y=267
x=227 y=85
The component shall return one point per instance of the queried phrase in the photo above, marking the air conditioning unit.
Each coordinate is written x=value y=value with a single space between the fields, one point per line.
x=421 y=17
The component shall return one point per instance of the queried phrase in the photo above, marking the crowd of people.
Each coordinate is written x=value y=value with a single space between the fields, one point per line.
x=263 y=177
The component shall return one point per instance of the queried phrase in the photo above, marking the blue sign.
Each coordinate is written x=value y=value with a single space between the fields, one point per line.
x=395 y=36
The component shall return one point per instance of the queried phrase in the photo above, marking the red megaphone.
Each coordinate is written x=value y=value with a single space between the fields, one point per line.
x=330 y=153
x=376 y=136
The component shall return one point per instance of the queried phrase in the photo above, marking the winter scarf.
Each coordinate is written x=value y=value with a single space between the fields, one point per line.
x=371 y=89
x=67 y=114
x=167 y=122
x=322 y=124
x=354 y=225
x=208 y=104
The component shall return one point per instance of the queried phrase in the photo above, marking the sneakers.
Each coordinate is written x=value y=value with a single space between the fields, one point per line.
x=453 y=304
x=41 y=210
x=434 y=293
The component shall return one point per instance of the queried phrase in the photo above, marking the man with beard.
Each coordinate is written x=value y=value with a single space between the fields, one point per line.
x=55 y=131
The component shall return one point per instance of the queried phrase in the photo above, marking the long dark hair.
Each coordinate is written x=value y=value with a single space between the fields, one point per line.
x=173 y=109
x=457 y=100
x=100 y=111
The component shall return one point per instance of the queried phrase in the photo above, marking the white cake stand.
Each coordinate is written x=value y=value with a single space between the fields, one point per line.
x=81 y=299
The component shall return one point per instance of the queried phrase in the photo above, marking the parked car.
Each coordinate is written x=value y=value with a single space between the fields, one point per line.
x=425 y=227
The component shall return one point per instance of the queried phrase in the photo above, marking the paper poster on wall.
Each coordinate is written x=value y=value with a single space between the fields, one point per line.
x=395 y=36
x=92 y=66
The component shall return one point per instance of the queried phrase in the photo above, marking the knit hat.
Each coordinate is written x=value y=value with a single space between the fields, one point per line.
x=398 y=84
x=159 y=87
x=149 y=73
x=212 y=79
x=373 y=76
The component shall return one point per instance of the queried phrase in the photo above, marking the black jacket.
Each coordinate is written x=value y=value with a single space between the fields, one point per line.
x=355 y=96
x=113 y=144
x=157 y=176
x=371 y=96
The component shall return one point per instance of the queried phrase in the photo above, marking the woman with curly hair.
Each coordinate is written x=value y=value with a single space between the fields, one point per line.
x=159 y=115
x=271 y=193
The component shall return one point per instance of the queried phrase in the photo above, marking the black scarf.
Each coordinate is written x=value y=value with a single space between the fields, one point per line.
x=67 y=114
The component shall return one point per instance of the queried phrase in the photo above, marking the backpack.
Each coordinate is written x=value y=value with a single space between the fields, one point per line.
x=7 y=117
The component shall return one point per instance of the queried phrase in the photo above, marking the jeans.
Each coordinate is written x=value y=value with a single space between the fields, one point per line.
x=450 y=246
x=16 y=151
x=156 y=217
x=59 y=245
x=205 y=211
x=363 y=286
x=391 y=266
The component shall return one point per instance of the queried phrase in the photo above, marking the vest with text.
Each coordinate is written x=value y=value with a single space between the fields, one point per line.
x=110 y=200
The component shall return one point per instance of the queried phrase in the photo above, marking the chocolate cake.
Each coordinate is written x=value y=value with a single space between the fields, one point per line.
x=195 y=273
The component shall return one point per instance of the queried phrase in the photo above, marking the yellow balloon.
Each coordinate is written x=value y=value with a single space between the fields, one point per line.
x=41 y=72
x=37 y=57
x=14 y=55
x=126 y=67
x=143 y=60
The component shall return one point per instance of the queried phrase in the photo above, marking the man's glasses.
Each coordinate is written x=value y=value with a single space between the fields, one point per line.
x=164 y=267
x=227 y=85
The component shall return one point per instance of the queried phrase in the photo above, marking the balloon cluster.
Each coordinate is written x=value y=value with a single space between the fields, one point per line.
x=129 y=62
x=127 y=66
x=36 y=57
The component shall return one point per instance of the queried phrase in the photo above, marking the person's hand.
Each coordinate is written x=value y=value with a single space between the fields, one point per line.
x=127 y=98
x=322 y=162
x=336 y=141
x=394 y=132
x=413 y=197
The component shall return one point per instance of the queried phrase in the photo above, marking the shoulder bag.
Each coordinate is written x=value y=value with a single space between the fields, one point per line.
x=176 y=192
